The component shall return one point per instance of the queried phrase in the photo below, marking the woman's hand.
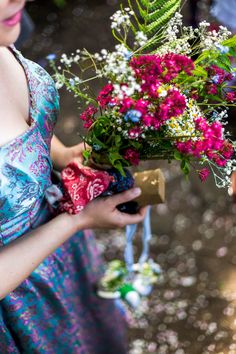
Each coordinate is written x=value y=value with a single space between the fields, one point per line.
x=63 y=155
x=102 y=212
x=74 y=153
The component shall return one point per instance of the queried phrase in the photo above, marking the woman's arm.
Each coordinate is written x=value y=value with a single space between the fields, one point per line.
x=19 y=258
x=62 y=155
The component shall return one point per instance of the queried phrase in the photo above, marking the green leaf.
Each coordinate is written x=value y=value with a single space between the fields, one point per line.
x=216 y=98
x=178 y=156
x=117 y=140
x=60 y=3
x=135 y=144
x=231 y=42
x=206 y=54
x=97 y=141
x=232 y=52
x=118 y=165
x=185 y=167
x=200 y=71
x=224 y=63
x=114 y=156
x=86 y=154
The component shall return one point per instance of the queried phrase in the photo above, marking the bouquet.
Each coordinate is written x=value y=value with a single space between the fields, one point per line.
x=165 y=91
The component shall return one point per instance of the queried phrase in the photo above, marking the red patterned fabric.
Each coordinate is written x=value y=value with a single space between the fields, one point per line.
x=81 y=185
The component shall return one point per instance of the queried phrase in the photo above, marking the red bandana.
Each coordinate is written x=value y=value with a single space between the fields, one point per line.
x=80 y=186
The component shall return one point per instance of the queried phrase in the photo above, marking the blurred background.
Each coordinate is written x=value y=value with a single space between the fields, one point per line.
x=193 y=310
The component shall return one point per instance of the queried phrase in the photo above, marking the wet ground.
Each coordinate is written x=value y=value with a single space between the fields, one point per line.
x=193 y=310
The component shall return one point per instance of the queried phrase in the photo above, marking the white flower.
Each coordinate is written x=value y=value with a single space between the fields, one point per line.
x=121 y=18
x=140 y=38
x=58 y=85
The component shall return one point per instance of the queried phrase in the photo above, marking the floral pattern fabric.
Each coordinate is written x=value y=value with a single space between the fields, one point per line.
x=56 y=309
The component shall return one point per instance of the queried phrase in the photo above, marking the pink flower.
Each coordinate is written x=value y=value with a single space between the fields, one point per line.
x=152 y=70
x=88 y=116
x=126 y=104
x=173 y=64
x=148 y=120
x=88 y=124
x=203 y=174
x=105 y=95
x=212 y=89
x=231 y=96
x=151 y=121
x=135 y=132
x=172 y=106
x=227 y=150
x=141 y=105
x=132 y=156
x=147 y=68
x=185 y=147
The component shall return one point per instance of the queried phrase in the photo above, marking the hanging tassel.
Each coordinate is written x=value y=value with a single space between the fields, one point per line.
x=132 y=280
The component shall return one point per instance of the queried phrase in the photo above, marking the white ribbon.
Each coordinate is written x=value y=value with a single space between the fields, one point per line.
x=146 y=237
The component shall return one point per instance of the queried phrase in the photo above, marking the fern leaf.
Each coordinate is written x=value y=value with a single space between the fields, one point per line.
x=162 y=17
x=155 y=14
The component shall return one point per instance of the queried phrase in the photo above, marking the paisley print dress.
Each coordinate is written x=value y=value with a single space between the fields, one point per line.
x=55 y=310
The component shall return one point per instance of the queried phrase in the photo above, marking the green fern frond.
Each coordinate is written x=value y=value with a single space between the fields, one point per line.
x=161 y=16
x=155 y=14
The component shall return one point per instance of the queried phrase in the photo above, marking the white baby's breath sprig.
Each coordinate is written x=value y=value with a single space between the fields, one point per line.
x=121 y=19
x=140 y=39
x=211 y=39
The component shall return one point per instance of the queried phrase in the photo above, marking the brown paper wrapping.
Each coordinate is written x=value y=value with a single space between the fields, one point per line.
x=152 y=184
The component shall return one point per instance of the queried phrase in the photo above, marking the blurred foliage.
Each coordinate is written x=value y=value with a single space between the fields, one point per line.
x=60 y=3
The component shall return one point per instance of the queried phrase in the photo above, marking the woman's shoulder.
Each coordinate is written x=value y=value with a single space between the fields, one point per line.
x=43 y=92
x=33 y=68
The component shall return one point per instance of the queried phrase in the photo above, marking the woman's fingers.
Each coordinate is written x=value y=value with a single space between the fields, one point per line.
x=128 y=219
x=125 y=196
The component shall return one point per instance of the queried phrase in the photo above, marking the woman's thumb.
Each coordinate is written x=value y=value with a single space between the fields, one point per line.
x=126 y=196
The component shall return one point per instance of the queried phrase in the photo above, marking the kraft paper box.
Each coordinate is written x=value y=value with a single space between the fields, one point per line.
x=152 y=184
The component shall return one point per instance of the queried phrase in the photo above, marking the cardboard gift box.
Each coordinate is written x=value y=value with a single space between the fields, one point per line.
x=152 y=184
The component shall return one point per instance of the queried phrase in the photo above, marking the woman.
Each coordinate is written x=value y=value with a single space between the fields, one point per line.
x=48 y=266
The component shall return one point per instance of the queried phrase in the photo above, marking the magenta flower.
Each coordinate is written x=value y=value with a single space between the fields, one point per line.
x=126 y=104
x=172 y=106
x=135 y=132
x=147 y=68
x=173 y=64
x=203 y=174
x=141 y=105
x=105 y=95
x=231 y=96
x=132 y=156
x=88 y=116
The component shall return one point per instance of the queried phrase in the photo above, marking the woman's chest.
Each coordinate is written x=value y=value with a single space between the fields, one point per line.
x=14 y=99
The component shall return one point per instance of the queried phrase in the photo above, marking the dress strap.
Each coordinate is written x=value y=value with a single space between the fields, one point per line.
x=22 y=61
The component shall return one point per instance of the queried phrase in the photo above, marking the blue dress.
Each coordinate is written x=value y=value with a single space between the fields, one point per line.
x=55 y=310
